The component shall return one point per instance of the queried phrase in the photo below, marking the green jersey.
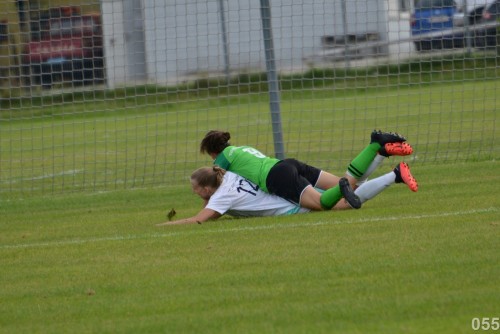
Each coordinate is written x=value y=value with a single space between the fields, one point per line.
x=248 y=162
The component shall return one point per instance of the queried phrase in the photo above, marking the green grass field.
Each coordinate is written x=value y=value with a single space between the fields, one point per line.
x=425 y=262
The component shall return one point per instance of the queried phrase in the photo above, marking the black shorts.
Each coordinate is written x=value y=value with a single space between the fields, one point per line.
x=289 y=177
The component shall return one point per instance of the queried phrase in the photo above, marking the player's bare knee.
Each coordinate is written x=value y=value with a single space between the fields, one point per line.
x=311 y=199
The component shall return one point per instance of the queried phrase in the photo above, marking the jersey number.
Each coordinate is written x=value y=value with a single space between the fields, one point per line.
x=245 y=185
x=254 y=152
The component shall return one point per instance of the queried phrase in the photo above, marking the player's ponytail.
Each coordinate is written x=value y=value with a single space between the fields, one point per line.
x=219 y=172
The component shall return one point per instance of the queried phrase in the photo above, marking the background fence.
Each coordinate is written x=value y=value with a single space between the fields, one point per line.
x=99 y=96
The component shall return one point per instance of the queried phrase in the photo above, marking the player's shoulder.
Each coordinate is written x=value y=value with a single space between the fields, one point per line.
x=230 y=150
x=230 y=185
x=230 y=177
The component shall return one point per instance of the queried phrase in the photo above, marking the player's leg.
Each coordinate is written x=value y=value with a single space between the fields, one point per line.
x=294 y=180
x=326 y=180
x=390 y=144
x=330 y=197
x=360 y=164
x=389 y=149
x=400 y=174
x=285 y=181
x=370 y=189
x=310 y=199
x=336 y=187
x=377 y=161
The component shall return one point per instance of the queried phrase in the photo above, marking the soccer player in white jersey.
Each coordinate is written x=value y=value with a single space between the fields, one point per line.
x=225 y=192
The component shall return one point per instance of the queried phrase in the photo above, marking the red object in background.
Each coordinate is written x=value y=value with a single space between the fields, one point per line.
x=67 y=37
x=66 y=44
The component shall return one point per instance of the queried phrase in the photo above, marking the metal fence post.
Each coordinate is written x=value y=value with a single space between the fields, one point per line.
x=224 y=39
x=272 y=79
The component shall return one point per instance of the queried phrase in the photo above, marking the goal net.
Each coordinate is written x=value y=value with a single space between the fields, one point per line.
x=115 y=94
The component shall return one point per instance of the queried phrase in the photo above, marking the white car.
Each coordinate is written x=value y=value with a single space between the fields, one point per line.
x=471 y=9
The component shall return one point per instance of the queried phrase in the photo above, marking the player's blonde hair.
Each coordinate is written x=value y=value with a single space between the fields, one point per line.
x=208 y=176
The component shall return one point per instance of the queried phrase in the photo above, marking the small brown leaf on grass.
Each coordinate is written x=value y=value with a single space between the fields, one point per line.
x=90 y=292
x=171 y=214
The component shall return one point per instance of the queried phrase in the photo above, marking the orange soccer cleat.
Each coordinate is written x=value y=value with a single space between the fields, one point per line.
x=400 y=149
x=403 y=175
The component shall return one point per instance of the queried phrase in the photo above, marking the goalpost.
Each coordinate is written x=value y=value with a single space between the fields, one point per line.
x=116 y=94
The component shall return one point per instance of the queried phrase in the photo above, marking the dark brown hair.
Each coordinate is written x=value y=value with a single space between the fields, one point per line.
x=208 y=176
x=215 y=142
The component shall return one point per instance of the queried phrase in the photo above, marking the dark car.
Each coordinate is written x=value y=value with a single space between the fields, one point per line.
x=66 y=48
x=432 y=22
x=488 y=37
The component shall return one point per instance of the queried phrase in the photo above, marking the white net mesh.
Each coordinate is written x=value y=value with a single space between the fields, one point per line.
x=115 y=94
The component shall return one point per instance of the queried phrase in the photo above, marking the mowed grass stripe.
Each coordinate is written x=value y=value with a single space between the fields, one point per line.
x=247 y=228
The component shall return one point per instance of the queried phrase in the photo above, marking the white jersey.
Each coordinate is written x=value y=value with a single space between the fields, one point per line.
x=237 y=196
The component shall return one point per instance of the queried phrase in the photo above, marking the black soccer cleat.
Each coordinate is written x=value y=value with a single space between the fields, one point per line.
x=386 y=137
x=349 y=195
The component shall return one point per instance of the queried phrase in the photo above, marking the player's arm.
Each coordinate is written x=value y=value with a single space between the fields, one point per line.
x=202 y=216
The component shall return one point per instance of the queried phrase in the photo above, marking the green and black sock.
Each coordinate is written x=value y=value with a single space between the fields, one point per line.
x=358 y=166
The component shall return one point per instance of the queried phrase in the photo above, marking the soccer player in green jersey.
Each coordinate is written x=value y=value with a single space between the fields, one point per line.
x=295 y=180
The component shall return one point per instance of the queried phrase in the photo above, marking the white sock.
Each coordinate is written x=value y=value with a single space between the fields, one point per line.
x=377 y=161
x=372 y=188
